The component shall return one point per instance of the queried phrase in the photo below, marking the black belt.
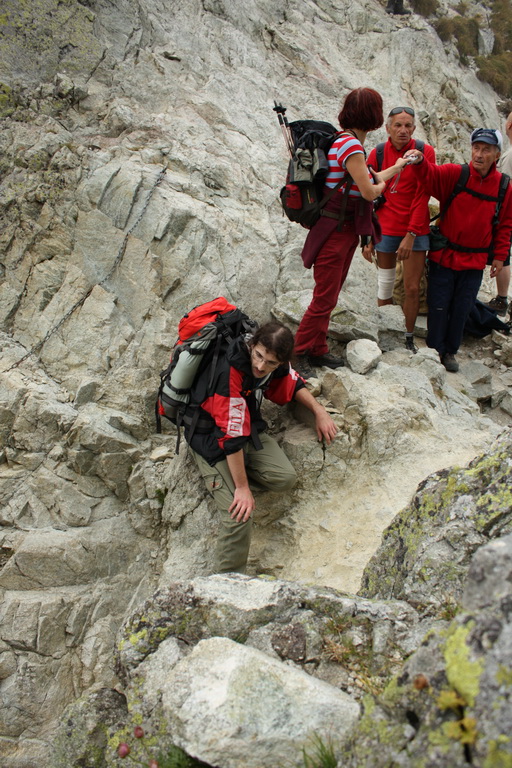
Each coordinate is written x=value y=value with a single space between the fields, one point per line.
x=331 y=215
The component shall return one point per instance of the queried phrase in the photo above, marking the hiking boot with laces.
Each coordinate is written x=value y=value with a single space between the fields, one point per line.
x=498 y=305
x=449 y=362
x=330 y=361
x=303 y=367
x=410 y=345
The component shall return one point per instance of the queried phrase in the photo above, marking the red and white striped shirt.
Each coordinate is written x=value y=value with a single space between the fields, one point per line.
x=342 y=148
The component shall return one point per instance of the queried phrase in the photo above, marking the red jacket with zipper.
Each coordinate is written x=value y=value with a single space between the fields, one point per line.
x=405 y=210
x=468 y=220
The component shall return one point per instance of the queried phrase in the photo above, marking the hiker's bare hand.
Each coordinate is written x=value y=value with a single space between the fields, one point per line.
x=413 y=157
x=404 y=250
x=368 y=251
x=243 y=505
x=325 y=427
x=496 y=267
x=402 y=162
x=379 y=185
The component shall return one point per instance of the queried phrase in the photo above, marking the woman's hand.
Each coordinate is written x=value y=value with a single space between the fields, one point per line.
x=368 y=252
x=402 y=162
x=378 y=182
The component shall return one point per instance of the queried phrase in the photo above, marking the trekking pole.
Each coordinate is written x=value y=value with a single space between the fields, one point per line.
x=285 y=128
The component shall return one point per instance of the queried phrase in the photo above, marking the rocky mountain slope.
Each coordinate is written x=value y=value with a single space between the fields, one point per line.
x=140 y=166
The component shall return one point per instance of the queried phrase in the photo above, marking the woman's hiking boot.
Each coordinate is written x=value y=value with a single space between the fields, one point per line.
x=329 y=360
x=303 y=367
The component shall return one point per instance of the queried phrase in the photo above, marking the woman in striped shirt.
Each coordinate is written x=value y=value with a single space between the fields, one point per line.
x=330 y=245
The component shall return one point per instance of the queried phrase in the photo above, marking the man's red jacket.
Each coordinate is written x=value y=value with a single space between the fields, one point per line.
x=406 y=209
x=468 y=220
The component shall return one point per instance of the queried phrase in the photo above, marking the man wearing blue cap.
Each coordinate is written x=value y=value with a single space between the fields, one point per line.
x=475 y=229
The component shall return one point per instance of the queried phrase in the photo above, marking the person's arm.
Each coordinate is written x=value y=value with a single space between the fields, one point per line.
x=324 y=425
x=503 y=234
x=358 y=169
x=496 y=267
x=368 y=251
x=243 y=503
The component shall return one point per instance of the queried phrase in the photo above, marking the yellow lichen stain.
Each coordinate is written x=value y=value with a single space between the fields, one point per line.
x=462 y=672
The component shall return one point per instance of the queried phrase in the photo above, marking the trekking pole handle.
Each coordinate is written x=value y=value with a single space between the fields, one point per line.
x=283 y=122
x=279 y=109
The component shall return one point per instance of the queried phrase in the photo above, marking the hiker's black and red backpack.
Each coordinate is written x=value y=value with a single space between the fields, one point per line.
x=204 y=334
x=308 y=143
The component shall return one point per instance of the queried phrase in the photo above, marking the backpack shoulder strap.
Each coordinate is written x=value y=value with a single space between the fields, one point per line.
x=419 y=144
x=504 y=182
x=459 y=186
x=380 y=155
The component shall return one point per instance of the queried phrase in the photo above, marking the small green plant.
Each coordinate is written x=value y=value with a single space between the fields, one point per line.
x=448 y=609
x=425 y=8
x=141 y=754
x=501 y=25
x=464 y=30
x=160 y=494
x=497 y=71
x=322 y=755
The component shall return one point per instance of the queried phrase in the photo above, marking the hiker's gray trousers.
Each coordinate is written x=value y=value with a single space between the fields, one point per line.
x=269 y=467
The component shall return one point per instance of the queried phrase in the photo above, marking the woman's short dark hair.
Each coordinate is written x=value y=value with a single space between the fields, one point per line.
x=362 y=109
x=276 y=338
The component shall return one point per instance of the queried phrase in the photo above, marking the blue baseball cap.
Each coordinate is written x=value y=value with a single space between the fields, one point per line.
x=488 y=136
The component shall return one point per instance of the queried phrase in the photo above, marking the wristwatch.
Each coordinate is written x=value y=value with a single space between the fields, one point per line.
x=412 y=233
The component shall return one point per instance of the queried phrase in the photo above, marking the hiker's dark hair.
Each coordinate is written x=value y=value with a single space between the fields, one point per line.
x=362 y=109
x=277 y=338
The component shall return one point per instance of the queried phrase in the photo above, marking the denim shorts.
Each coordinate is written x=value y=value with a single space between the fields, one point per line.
x=390 y=243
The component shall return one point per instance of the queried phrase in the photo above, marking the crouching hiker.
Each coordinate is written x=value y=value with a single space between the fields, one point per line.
x=231 y=447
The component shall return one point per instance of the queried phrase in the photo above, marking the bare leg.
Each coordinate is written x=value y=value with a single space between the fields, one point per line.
x=503 y=281
x=385 y=261
x=413 y=270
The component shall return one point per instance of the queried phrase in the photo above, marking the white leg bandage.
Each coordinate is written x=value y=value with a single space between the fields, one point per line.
x=385 y=282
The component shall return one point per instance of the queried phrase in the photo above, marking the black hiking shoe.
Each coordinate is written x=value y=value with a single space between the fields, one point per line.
x=397 y=7
x=498 y=305
x=449 y=362
x=303 y=367
x=330 y=361
x=410 y=345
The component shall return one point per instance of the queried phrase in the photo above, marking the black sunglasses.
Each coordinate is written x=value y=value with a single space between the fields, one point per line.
x=397 y=110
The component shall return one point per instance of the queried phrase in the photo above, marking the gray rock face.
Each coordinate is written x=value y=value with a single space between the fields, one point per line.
x=432 y=678
x=426 y=550
x=140 y=166
x=451 y=704
x=232 y=705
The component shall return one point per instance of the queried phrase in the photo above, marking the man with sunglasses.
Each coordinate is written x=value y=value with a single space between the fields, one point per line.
x=404 y=218
x=231 y=445
x=475 y=229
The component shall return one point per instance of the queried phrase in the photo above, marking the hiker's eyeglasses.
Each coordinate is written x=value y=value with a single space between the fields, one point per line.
x=262 y=360
x=397 y=110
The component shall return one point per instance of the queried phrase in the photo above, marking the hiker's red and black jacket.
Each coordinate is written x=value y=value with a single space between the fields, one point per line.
x=229 y=414
x=468 y=220
x=406 y=209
